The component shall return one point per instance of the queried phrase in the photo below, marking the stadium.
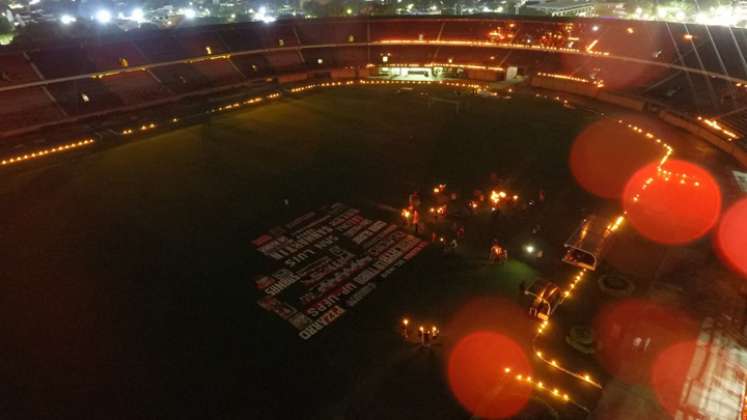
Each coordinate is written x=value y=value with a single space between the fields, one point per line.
x=370 y=217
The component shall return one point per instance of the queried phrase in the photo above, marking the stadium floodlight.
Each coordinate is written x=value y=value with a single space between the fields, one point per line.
x=261 y=15
x=67 y=19
x=188 y=13
x=103 y=16
x=137 y=15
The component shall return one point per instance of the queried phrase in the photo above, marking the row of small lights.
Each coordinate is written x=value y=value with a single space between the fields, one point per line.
x=317 y=85
x=144 y=127
x=612 y=227
x=421 y=82
x=597 y=83
x=45 y=152
x=538 y=384
x=684 y=179
x=150 y=126
x=255 y=100
x=731 y=136
x=490 y=44
x=557 y=98
x=406 y=323
x=585 y=377
x=251 y=101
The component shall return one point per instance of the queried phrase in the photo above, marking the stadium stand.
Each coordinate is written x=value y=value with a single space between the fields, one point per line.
x=15 y=69
x=325 y=32
x=402 y=54
x=464 y=30
x=279 y=35
x=135 y=87
x=219 y=72
x=84 y=96
x=404 y=29
x=285 y=61
x=242 y=38
x=114 y=55
x=736 y=120
x=484 y=56
x=196 y=42
x=160 y=46
x=688 y=68
x=252 y=66
x=26 y=107
x=62 y=62
x=181 y=78
x=320 y=58
x=351 y=56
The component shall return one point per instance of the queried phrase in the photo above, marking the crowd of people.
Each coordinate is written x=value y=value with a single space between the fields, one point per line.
x=424 y=336
x=442 y=218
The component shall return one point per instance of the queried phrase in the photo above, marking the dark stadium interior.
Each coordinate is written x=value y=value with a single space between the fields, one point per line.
x=144 y=160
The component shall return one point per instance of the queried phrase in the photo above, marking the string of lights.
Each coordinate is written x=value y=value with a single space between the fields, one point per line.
x=597 y=83
x=716 y=126
x=45 y=152
x=542 y=386
x=528 y=45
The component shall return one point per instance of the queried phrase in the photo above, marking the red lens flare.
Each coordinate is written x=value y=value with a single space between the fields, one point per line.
x=477 y=377
x=489 y=335
x=669 y=374
x=672 y=203
x=631 y=332
x=606 y=154
x=731 y=238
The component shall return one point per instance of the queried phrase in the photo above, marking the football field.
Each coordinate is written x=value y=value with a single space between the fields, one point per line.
x=133 y=271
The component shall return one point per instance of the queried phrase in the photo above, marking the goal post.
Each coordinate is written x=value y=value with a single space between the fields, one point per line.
x=448 y=102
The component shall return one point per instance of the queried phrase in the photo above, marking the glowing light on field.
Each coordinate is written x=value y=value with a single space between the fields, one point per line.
x=672 y=203
x=44 y=152
x=731 y=238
